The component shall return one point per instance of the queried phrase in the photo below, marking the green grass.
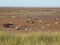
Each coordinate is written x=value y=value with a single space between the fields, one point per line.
x=37 y=38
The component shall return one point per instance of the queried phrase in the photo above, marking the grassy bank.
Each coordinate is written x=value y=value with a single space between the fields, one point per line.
x=38 y=38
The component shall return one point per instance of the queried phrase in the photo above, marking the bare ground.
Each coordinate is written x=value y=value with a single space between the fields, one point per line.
x=44 y=19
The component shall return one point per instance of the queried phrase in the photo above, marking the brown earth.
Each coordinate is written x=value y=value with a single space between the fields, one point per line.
x=40 y=19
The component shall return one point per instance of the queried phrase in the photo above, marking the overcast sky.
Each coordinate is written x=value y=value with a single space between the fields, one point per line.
x=29 y=3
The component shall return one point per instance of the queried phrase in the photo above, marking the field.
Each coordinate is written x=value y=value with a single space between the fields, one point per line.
x=29 y=26
x=36 y=38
